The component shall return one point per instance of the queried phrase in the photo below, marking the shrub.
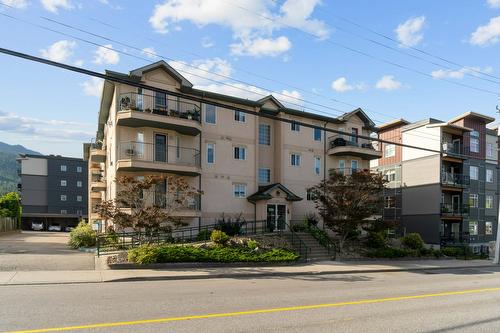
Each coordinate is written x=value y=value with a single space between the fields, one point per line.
x=299 y=227
x=82 y=236
x=148 y=254
x=204 y=235
x=231 y=227
x=219 y=237
x=252 y=244
x=311 y=219
x=413 y=241
x=353 y=234
x=390 y=252
x=377 y=240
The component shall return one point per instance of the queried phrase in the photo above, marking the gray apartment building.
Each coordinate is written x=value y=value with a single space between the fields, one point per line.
x=53 y=190
x=449 y=196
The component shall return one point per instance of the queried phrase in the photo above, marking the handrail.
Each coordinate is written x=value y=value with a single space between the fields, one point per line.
x=326 y=241
x=303 y=248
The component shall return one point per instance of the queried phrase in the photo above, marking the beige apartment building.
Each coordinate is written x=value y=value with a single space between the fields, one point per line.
x=243 y=163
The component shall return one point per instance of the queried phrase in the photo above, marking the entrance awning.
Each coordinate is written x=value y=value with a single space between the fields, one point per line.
x=264 y=193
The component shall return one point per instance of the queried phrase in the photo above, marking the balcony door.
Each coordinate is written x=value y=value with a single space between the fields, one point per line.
x=455 y=204
x=456 y=146
x=160 y=148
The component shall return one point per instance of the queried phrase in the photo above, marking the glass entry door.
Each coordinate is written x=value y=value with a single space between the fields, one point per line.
x=160 y=148
x=276 y=217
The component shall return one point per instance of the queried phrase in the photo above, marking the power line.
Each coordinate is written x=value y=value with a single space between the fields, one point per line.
x=198 y=99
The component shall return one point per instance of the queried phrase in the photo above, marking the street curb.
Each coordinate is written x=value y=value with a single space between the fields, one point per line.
x=284 y=274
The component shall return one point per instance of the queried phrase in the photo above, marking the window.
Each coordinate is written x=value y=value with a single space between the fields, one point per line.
x=473 y=200
x=310 y=195
x=474 y=172
x=264 y=134
x=489 y=150
x=63 y=197
x=160 y=101
x=210 y=114
x=354 y=138
x=79 y=212
x=79 y=169
x=389 y=150
x=239 y=117
x=489 y=175
x=295 y=159
x=78 y=183
x=63 y=168
x=210 y=153
x=63 y=183
x=240 y=190
x=489 y=202
x=264 y=176
x=240 y=153
x=295 y=127
x=177 y=147
x=389 y=201
x=354 y=165
x=317 y=165
x=64 y=211
x=342 y=166
x=79 y=198
x=488 y=228
x=317 y=134
x=390 y=175
x=473 y=226
x=474 y=141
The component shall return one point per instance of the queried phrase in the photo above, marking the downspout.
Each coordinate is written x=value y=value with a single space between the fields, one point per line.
x=325 y=146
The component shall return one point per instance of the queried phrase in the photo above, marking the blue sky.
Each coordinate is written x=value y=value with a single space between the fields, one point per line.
x=295 y=49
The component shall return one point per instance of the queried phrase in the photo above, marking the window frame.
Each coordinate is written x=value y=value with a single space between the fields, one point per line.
x=488 y=228
x=317 y=168
x=489 y=172
x=261 y=141
x=213 y=152
x=79 y=169
x=476 y=174
x=79 y=197
x=392 y=150
x=473 y=200
x=242 y=117
x=64 y=168
x=79 y=183
x=63 y=183
x=240 y=150
x=389 y=199
x=296 y=159
x=475 y=225
x=474 y=142
x=489 y=149
x=238 y=193
x=294 y=126
x=268 y=175
x=63 y=197
x=488 y=202
x=206 y=113
x=315 y=131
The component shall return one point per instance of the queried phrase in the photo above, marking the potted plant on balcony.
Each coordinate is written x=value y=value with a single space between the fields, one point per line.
x=125 y=103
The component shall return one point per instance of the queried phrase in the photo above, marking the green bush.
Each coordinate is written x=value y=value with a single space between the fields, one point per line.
x=219 y=237
x=301 y=227
x=148 y=254
x=391 y=252
x=413 y=241
x=82 y=236
x=377 y=240
x=204 y=235
x=252 y=244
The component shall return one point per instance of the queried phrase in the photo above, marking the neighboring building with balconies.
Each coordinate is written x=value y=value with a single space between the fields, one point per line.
x=448 y=195
x=257 y=166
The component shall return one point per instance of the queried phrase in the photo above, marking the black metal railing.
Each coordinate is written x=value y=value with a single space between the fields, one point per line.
x=346 y=171
x=149 y=152
x=159 y=104
x=448 y=209
x=323 y=239
x=454 y=180
x=112 y=242
x=454 y=148
x=344 y=140
x=183 y=201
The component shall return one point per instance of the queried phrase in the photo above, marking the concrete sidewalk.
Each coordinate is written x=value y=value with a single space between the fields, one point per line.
x=318 y=268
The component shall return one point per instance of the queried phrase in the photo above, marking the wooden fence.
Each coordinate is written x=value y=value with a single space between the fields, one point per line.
x=8 y=224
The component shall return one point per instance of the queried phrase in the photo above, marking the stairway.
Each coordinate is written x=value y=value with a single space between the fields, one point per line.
x=317 y=252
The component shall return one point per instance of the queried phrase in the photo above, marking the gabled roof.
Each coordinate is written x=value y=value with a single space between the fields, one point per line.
x=271 y=98
x=165 y=66
x=264 y=193
x=362 y=115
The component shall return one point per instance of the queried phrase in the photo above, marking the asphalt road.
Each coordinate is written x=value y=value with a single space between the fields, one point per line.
x=41 y=251
x=437 y=301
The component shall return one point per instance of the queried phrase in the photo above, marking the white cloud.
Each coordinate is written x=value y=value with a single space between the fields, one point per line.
x=487 y=34
x=341 y=85
x=261 y=47
x=204 y=71
x=106 y=55
x=19 y=4
x=59 y=51
x=207 y=42
x=54 y=5
x=150 y=52
x=43 y=129
x=409 y=33
x=494 y=3
x=93 y=87
x=79 y=63
x=251 y=21
x=459 y=73
x=387 y=82
x=289 y=97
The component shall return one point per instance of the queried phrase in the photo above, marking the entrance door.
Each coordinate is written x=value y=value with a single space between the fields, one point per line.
x=276 y=217
x=160 y=148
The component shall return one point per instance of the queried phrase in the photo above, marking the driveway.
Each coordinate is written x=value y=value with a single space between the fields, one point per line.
x=41 y=251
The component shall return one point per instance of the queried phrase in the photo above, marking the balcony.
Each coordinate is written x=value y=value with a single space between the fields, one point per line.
x=95 y=195
x=346 y=171
x=454 y=149
x=341 y=146
x=189 y=207
x=454 y=181
x=98 y=185
x=141 y=156
x=140 y=110
x=97 y=153
x=452 y=211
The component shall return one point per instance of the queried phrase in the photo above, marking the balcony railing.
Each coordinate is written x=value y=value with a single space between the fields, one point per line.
x=454 y=148
x=149 y=152
x=159 y=105
x=180 y=201
x=344 y=140
x=346 y=171
x=450 y=210
x=454 y=179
